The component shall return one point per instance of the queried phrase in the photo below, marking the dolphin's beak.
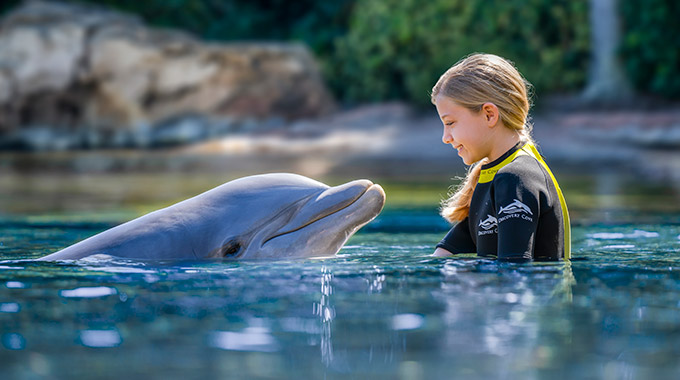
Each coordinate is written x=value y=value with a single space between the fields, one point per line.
x=326 y=203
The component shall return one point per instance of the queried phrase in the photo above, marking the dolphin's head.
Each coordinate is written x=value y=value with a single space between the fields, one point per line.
x=288 y=216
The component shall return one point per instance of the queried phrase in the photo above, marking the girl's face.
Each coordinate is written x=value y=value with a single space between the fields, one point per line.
x=468 y=132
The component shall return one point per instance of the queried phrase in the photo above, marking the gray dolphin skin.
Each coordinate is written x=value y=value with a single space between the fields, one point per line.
x=268 y=216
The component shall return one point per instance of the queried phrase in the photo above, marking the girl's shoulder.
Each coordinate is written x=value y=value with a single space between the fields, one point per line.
x=523 y=169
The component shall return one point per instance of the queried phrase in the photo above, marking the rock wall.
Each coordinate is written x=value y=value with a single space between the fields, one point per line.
x=75 y=76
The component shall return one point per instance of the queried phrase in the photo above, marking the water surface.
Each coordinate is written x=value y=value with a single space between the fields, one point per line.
x=382 y=308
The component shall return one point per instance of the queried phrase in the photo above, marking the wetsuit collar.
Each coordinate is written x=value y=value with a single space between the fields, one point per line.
x=489 y=170
x=504 y=156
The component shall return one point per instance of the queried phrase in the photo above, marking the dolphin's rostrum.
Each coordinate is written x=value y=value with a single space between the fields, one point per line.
x=266 y=216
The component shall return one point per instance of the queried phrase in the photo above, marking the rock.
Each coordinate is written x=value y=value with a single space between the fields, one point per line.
x=109 y=79
x=39 y=59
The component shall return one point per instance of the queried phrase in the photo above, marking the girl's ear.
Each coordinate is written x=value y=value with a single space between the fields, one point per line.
x=490 y=112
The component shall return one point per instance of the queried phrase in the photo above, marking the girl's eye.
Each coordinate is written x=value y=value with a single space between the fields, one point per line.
x=449 y=123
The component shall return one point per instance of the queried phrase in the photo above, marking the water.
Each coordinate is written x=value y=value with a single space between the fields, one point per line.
x=383 y=308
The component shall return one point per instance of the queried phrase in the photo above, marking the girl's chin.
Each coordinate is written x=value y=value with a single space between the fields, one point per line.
x=465 y=157
x=467 y=160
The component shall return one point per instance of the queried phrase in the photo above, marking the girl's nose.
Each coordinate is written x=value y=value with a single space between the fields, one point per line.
x=447 y=138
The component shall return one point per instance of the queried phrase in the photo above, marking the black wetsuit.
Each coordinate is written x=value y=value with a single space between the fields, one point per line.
x=517 y=211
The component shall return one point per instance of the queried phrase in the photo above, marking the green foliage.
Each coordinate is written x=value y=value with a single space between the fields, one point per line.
x=316 y=23
x=396 y=49
x=651 y=45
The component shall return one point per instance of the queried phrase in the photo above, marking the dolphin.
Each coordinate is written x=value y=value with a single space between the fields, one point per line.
x=515 y=207
x=267 y=216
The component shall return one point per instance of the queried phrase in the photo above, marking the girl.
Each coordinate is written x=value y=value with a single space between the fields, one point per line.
x=510 y=204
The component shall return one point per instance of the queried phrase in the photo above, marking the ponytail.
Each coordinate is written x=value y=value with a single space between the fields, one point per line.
x=457 y=206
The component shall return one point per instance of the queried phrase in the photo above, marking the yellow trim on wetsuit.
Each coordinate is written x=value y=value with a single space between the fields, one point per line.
x=563 y=203
x=487 y=175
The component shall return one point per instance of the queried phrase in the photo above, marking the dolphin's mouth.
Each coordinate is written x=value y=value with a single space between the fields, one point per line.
x=330 y=210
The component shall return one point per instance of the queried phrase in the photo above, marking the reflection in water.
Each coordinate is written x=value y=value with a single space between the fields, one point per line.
x=506 y=319
x=376 y=284
x=326 y=313
x=563 y=289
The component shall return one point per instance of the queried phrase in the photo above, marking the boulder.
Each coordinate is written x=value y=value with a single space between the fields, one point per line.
x=88 y=71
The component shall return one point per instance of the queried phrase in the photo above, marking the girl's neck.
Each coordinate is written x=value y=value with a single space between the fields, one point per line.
x=506 y=138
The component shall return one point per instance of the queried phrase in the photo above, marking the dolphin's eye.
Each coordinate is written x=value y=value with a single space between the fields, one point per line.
x=231 y=249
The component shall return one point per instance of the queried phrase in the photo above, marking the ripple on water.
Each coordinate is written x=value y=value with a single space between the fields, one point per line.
x=88 y=292
x=13 y=341
x=15 y=284
x=9 y=307
x=100 y=338
x=619 y=235
x=257 y=339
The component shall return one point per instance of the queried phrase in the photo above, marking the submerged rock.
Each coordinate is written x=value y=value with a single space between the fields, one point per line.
x=80 y=68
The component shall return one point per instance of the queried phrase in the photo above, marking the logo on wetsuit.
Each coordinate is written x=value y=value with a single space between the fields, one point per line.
x=515 y=209
x=488 y=226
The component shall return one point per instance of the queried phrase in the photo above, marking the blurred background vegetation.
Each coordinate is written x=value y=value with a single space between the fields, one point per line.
x=651 y=45
x=409 y=43
x=377 y=50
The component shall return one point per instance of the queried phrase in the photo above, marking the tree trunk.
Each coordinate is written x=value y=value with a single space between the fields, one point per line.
x=607 y=83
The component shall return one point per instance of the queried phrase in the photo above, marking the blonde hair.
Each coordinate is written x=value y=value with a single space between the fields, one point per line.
x=473 y=81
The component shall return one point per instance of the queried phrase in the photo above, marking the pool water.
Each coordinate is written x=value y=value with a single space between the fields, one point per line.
x=383 y=308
